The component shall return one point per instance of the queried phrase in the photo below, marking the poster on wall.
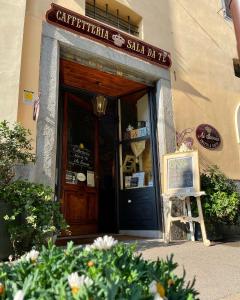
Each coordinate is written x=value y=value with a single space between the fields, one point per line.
x=28 y=97
x=181 y=172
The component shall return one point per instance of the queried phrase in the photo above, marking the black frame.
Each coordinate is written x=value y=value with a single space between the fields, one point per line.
x=95 y=12
x=156 y=158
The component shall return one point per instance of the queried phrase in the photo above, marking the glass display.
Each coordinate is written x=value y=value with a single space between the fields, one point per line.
x=135 y=142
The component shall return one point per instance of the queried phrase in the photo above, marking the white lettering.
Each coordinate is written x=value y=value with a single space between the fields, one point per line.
x=68 y=18
x=58 y=15
x=78 y=25
x=106 y=35
x=73 y=20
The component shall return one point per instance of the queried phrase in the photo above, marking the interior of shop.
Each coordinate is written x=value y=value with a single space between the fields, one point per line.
x=106 y=172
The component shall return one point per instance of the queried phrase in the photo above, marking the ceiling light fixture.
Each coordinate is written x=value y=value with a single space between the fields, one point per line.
x=99 y=105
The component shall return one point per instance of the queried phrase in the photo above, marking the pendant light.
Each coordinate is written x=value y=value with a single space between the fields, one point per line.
x=99 y=105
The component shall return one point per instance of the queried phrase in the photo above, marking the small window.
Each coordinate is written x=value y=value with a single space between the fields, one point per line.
x=227 y=12
x=236 y=66
x=113 y=17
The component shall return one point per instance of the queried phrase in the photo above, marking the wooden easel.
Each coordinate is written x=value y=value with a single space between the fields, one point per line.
x=187 y=214
x=182 y=181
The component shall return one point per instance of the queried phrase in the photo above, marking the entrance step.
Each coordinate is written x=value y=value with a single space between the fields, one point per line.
x=88 y=239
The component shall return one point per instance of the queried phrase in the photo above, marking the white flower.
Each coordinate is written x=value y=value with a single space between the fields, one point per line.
x=10 y=258
x=32 y=255
x=76 y=282
x=157 y=289
x=104 y=243
x=19 y=295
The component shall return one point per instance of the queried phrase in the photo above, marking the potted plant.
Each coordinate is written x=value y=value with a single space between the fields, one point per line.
x=15 y=147
x=34 y=216
x=28 y=213
x=221 y=205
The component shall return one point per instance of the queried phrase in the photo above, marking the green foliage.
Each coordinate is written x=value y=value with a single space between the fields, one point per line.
x=33 y=216
x=117 y=273
x=15 y=147
x=222 y=201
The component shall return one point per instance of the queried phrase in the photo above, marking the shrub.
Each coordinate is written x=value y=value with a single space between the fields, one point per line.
x=15 y=147
x=222 y=201
x=113 y=272
x=33 y=216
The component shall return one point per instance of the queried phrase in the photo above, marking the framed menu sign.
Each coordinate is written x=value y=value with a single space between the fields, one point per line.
x=81 y=159
x=181 y=172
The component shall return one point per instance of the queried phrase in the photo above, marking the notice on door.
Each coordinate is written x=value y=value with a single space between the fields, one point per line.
x=90 y=179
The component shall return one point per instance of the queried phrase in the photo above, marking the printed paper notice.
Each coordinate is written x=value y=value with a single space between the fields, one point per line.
x=90 y=179
x=28 y=97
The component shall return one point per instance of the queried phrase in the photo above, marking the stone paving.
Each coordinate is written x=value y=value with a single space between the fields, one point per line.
x=216 y=268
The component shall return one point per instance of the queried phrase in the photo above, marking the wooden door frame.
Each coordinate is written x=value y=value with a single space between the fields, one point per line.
x=67 y=97
x=156 y=166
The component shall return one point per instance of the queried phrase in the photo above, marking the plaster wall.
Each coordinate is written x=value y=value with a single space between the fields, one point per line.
x=202 y=44
x=11 y=34
x=205 y=89
x=35 y=15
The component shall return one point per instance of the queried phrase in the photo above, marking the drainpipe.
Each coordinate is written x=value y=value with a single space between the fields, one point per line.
x=234 y=6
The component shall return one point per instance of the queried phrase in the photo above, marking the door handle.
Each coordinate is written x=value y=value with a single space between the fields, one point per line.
x=129 y=201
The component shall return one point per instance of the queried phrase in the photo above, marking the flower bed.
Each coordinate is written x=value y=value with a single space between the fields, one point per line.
x=104 y=270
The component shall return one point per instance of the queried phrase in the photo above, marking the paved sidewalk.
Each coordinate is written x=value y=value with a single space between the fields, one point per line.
x=216 y=268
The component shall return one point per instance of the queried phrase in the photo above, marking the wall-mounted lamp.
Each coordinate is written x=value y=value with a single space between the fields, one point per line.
x=99 y=105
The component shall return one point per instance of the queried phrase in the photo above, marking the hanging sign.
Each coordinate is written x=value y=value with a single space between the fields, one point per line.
x=208 y=136
x=181 y=172
x=92 y=29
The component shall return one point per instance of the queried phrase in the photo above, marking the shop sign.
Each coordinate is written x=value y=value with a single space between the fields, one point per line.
x=92 y=29
x=208 y=136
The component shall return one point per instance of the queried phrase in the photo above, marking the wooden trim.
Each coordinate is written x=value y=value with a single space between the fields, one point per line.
x=64 y=149
x=86 y=105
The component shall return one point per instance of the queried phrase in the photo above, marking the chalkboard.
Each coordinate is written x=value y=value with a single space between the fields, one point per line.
x=80 y=158
x=181 y=172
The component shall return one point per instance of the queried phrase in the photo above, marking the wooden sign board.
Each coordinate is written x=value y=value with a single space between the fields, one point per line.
x=181 y=173
x=98 y=31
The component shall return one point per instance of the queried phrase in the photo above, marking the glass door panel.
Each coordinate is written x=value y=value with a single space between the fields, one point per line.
x=80 y=144
x=135 y=151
